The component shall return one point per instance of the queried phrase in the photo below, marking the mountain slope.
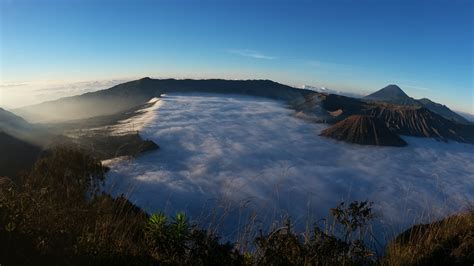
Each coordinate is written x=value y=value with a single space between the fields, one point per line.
x=442 y=110
x=16 y=155
x=400 y=119
x=365 y=130
x=392 y=94
x=127 y=95
x=420 y=122
x=12 y=122
x=18 y=127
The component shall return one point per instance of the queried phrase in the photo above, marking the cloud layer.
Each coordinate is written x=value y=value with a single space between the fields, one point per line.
x=13 y=95
x=245 y=156
x=251 y=53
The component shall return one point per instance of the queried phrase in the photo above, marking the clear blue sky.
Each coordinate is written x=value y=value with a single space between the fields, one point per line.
x=426 y=47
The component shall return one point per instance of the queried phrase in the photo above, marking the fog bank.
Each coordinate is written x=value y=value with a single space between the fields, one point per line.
x=249 y=155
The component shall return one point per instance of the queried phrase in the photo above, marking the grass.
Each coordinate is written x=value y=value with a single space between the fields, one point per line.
x=446 y=242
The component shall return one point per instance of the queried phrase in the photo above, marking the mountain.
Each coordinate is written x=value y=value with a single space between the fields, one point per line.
x=392 y=94
x=130 y=94
x=11 y=122
x=17 y=141
x=16 y=155
x=443 y=110
x=395 y=95
x=365 y=130
x=330 y=91
x=421 y=122
x=401 y=114
x=18 y=127
x=469 y=117
x=400 y=119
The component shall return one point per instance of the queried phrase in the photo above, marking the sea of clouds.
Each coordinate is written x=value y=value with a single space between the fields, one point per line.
x=224 y=159
x=15 y=95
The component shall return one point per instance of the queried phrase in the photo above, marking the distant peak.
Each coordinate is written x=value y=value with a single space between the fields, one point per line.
x=425 y=100
x=393 y=94
x=393 y=88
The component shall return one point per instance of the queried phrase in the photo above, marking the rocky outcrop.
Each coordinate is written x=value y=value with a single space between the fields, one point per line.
x=400 y=119
x=420 y=122
x=365 y=130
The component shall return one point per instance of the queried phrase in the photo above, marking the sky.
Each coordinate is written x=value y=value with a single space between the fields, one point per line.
x=426 y=47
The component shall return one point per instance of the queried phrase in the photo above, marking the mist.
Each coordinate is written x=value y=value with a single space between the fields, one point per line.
x=19 y=94
x=247 y=155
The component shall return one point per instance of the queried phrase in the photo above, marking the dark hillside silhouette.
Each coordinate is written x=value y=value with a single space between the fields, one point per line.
x=16 y=155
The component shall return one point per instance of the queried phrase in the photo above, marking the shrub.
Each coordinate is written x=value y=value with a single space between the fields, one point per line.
x=283 y=247
x=58 y=216
x=177 y=241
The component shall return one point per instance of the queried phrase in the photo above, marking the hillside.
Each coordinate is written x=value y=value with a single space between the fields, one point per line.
x=445 y=242
x=365 y=130
x=16 y=126
x=12 y=123
x=16 y=155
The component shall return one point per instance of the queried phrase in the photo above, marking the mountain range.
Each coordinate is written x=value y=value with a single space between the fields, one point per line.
x=394 y=94
x=377 y=119
x=130 y=94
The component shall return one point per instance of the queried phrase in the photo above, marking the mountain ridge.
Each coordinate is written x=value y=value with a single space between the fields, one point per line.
x=129 y=94
x=395 y=95
x=408 y=119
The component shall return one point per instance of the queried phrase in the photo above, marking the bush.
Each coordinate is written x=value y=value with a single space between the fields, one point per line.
x=57 y=215
x=177 y=242
x=283 y=247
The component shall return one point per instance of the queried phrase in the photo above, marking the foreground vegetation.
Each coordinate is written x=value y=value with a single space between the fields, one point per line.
x=58 y=215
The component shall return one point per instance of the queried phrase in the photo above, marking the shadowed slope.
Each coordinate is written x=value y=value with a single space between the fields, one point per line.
x=16 y=126
x=16 y=155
